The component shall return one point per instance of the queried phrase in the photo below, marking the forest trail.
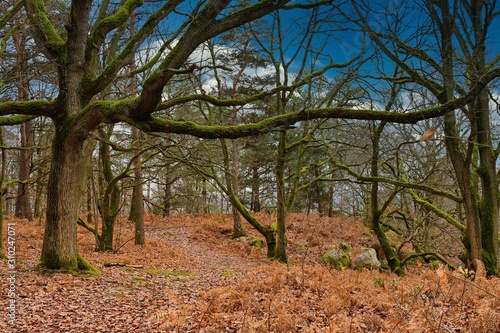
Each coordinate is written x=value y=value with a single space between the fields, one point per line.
x=207 y=258
x=183 y=258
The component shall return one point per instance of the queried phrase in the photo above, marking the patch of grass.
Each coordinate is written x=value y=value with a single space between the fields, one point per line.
x=229 y=272
x=118 y=295
x=302 y=248
x=137 y=279
x=75 y=272
x=169 y=272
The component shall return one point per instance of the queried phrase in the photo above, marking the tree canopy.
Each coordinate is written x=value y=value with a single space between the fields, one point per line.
x=86 y=64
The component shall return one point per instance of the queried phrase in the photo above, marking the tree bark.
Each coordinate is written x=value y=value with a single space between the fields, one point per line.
x=331 y=193
x=137 y=214
x=23 y=200
x=137 y=204
x=488 y=203
x=376 y=213
x=255 y=200
x=461 y=162
x=167 y=199
x=3 y=167
x=110 y=205
x=230 y=170
x=238 y=230
x=59 y=249
x=281 y=239
x=23 y=204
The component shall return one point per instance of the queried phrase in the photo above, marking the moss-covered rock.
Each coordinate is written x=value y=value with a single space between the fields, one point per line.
x=342 y=256
x=337 y=258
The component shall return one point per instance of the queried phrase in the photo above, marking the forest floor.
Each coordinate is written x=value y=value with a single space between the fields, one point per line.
x=192 y=277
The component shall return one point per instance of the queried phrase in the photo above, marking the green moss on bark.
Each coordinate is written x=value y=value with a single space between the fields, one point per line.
x=76 y=264
x=84 y=265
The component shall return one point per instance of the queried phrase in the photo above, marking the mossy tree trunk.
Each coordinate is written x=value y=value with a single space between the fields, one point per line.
x=59 y=249
x=23 y=199
x=375 y=212
x=488 y=203
x=230 y=176
x=167 y=197
x=269 y=232
x=110 y=205
x=331 y=198
x=461 y=161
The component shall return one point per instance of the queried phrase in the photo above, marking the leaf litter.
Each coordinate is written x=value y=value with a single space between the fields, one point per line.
x=192 y=277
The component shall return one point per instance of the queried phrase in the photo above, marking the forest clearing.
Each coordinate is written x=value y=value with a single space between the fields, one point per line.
x=192 y=277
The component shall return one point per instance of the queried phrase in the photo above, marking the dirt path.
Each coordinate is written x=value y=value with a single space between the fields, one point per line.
x=205 y=259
